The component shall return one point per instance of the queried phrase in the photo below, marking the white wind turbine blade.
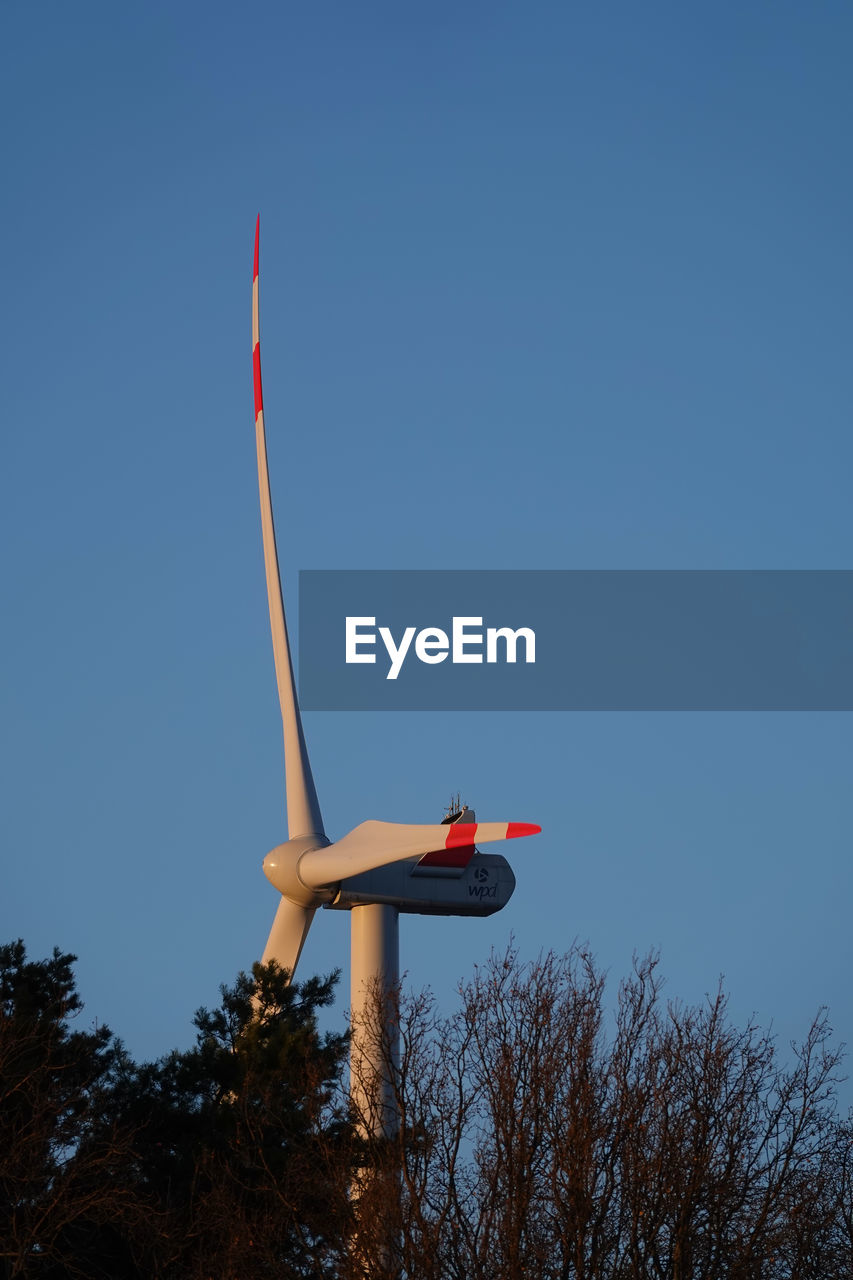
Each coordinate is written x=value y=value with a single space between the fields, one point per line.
x=287 y=935
x=303 y=809
x=374 y=844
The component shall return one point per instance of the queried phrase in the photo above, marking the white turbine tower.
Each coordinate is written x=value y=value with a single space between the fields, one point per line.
x=378 y=869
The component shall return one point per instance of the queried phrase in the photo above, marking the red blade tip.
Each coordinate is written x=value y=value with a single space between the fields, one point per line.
x=521 y=829
x=257 y=241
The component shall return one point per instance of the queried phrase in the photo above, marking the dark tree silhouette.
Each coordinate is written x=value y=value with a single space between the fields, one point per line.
x=61 y=1159
x=239 y=1140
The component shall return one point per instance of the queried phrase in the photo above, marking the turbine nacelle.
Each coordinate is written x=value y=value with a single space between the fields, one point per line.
x=308 y=870
x=481 y=888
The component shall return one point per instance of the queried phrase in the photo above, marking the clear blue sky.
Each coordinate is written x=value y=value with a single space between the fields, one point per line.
x=549 y=286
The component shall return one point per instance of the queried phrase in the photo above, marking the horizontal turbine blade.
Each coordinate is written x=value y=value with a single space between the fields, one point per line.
x=375 y=844
x=287 y=935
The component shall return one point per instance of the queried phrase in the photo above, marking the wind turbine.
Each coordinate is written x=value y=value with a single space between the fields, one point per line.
x=378 y=869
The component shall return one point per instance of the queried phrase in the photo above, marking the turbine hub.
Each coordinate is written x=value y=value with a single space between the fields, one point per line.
x=281 y=868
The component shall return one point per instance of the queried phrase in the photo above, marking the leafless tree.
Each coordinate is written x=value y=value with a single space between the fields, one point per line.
x=541 y=1136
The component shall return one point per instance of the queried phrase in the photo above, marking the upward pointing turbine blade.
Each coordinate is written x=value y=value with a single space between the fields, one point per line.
x=303 y=808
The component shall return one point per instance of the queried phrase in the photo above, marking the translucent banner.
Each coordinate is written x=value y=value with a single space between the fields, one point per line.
x=576 y=640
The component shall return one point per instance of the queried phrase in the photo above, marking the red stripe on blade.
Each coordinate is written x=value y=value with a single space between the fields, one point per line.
x=521 y=829
x=259 y=392
x=460 y=833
